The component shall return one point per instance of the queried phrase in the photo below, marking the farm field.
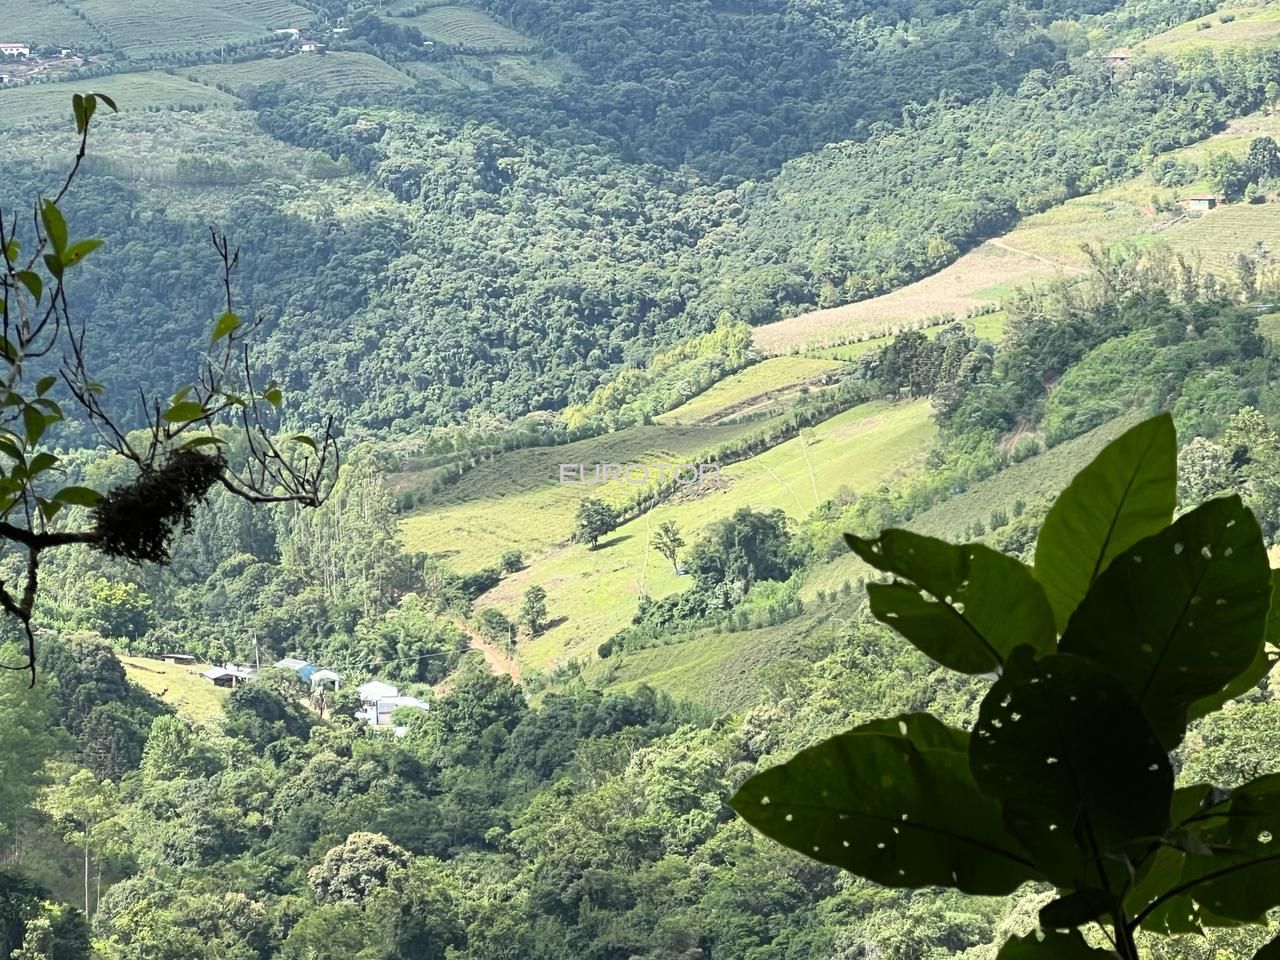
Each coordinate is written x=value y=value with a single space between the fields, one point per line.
x=149 y=28
x=41 y=22
x=955 y=290
x=1269 y=326
x=466 y=28
x=331 y=75
x=517 y=500
x=744 y=389
x=1246 y=27
x=1041 y=477
x=988 y=326
x=593 y=593
x=133 y=92
x=720 y=670
x=177 y=685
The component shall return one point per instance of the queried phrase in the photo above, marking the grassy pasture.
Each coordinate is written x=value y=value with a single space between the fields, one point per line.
x=1250 y=27
x=593 y=593
x=179 y=686
x=41 y=22
x=43 y=103
x=466 y=27
x=517 y=500
x=329 y=75
x=147 y=28
x=757 y=383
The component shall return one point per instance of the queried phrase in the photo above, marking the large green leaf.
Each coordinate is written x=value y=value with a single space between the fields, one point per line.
x=966 y=606
x=1126 y=494
x=1180 y=614
x=1263 y=661
x=1052 y=945
x=1237 y=879
x=1082 y=778
x=893 y=801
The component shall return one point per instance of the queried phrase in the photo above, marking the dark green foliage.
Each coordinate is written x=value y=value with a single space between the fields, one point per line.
x=966 y=606
x=868 y=801
x=595 y=519
x=1072 y=740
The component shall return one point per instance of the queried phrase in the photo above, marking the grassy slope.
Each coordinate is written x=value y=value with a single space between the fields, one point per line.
x=42 y=22
x=593 y=593
x=180 y=687
x=517 y=500
x=332 y=74
x=135 y=92
x=1251 y=26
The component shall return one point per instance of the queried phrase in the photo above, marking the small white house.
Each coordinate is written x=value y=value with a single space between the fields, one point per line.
x=310 y=46
x=15 y=50
x=378 y=701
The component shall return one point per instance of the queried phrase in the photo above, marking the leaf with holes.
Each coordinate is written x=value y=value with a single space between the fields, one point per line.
x=1052 y=945
x=1239 y=882
x=1126 y=494
x=1180 y=614
x=869 y=801
x=965 y=606
x=1082 y=778
x=1263 y=662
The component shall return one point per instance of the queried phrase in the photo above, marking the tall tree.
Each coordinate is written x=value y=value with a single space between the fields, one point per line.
x=667 y=541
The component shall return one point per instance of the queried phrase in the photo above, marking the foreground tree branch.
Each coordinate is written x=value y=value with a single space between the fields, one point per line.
x=223 y=428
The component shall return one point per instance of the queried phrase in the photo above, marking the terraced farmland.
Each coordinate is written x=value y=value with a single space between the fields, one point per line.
x=133 y=92
x=149 y=28
x=42 y=22
x=1221 y=235
x=331 y=75
x=467 y=28
x=593 y=593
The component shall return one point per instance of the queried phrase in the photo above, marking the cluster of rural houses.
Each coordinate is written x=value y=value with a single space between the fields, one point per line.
x=378 y=700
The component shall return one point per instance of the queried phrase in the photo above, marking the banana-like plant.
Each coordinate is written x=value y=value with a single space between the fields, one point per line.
x=1129 y=626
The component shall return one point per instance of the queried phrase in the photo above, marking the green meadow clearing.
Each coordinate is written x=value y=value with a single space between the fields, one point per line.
x=593 y=593
x=179 y=686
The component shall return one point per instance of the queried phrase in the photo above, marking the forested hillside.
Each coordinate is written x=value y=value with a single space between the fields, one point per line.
x=857 y=265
